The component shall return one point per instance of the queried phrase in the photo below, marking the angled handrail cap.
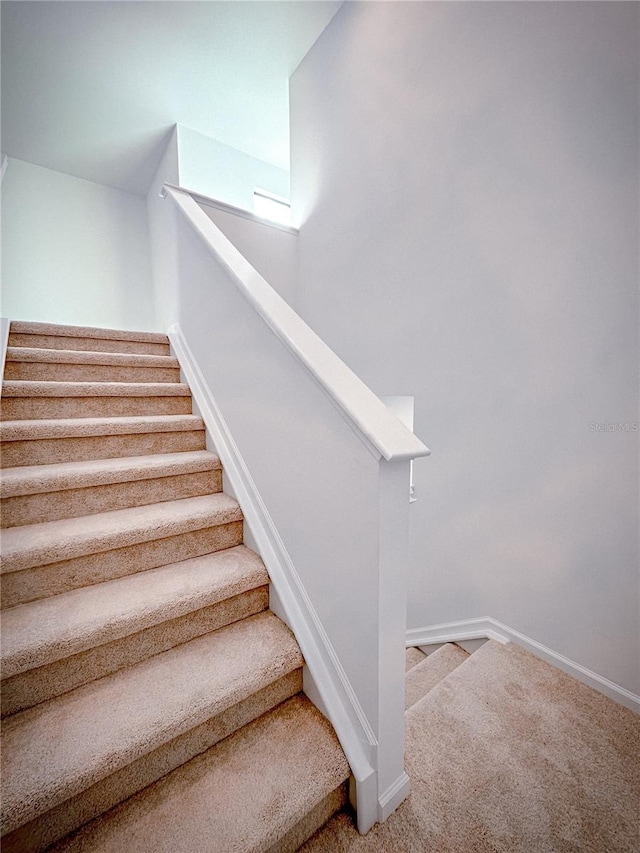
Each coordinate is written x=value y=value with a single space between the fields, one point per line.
x=381 y=430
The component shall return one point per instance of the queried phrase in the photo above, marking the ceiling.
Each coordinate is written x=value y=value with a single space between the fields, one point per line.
x=93 y=89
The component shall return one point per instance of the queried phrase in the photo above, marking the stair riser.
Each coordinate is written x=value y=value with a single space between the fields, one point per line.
x=46 y=451
x=38 y=685
x=31 y=584
x=31 y=408
x=428 y=673
x=54 y=372
x=317 y=817
x=35 y=836
x=18 y=339
x=71 y=503
x=413 y=657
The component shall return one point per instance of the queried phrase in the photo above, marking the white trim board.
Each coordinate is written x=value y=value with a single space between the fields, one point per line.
x=487 y=628
x=394 y=796
x=326 y=681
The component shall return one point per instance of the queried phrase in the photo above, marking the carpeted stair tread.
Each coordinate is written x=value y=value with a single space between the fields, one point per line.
x=425 y=675
x=25 y=388
x=54 y=541
x=48 y=630
x=60 y=365
x=242 y=795
x=36 y=493
x=21 y=327
x=25 y=400
x=34 y=686
x=413 y=657
x=56 y=750
x=112 y=359
x=48 y=441
x=29 y=430
x=35 y=479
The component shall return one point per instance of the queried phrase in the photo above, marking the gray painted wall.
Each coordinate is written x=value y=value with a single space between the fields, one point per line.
x=465 y=180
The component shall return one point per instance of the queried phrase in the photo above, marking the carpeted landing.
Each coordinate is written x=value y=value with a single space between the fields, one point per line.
x=507 y=753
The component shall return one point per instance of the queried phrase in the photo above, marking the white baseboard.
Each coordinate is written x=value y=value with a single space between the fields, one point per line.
x=325 y=680
x=490 y=629
x=394 y=796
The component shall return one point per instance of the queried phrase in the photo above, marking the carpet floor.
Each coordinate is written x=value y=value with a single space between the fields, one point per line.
x=510 y=754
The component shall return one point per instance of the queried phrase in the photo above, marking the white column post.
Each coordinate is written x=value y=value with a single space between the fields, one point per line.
x=393 y=782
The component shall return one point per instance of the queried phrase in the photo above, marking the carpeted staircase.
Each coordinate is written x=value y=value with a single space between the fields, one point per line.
x=152 y=702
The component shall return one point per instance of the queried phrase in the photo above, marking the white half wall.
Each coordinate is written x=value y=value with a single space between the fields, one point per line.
x=465 y=179
x=211 y=168
x=321 y=469
x=73 y=251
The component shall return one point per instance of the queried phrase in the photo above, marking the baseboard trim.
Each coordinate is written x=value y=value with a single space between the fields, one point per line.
x=487 y=628
x=325 y=678
x=394 y=796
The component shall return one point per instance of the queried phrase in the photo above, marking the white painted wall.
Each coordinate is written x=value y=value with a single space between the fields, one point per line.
x=73 y=251
x=192 y=160
x=225 y=173
x=271 y=250
x=465 y=178
x=162 y=237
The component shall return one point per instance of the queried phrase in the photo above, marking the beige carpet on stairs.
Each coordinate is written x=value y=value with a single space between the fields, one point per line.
x=423 y=676
x=510 y=754
x=413 y=657
x=151 y=701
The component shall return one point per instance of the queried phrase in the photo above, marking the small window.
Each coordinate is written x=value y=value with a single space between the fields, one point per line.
x=266 y=205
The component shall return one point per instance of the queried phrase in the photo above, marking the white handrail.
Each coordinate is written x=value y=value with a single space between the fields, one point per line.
x=385 y=435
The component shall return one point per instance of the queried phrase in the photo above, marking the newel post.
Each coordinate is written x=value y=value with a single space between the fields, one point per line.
x=393 y=563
